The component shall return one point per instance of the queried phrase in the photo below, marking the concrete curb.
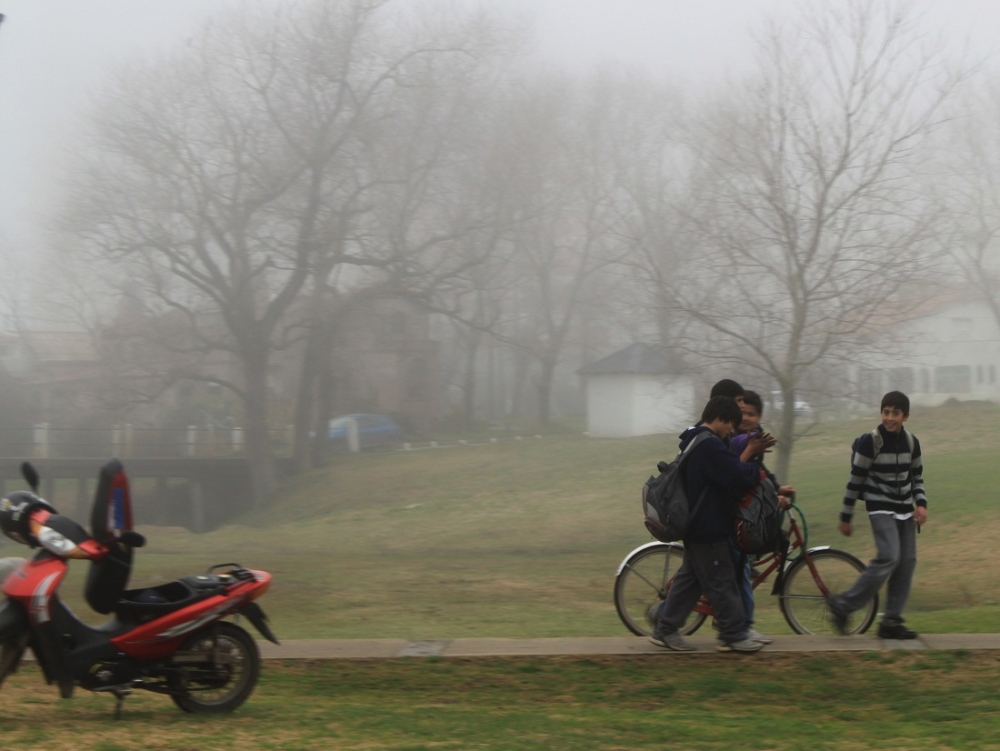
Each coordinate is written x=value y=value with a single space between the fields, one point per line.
x=345 y=649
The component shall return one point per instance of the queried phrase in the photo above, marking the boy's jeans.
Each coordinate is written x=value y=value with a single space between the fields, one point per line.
x=744 y=580
x=708 y=568
x=895 y=559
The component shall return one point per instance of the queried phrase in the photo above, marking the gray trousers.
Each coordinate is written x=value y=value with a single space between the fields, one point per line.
x=708 y=568
x=895 y=559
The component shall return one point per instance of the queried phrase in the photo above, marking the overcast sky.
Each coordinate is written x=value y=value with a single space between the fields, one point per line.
x=54 y=54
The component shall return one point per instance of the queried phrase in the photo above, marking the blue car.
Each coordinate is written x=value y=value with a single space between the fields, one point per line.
x=374 y=431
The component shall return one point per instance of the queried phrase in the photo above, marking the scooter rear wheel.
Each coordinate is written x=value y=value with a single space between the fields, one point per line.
x=225 y=679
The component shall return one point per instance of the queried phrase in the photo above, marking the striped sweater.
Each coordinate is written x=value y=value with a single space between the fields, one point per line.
x=890 y=485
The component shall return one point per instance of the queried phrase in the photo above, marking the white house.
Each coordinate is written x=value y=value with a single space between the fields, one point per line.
x=952 y=351
x=636 y=391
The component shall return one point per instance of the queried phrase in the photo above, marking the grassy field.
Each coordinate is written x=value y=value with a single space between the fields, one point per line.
x=942 y=700
x=522 y=538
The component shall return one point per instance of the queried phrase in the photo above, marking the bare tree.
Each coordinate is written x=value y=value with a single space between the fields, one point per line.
x=223 y=181
x=806 y=215
x=971 y=159
x=564 y=226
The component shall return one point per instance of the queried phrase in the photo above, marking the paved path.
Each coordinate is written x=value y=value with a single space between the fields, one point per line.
x=339 y=649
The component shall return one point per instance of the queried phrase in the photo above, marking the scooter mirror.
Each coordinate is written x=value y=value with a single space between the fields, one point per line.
x=30 y=475
x=132 y=538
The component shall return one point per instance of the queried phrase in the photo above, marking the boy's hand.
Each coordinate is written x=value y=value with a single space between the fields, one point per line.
x=761 y=442
x=845 y=529
x=920 y=516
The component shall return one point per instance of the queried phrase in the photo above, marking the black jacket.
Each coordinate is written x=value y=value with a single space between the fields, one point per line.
x=712 y=467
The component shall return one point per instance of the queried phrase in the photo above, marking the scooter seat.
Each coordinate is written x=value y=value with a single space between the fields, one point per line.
x=153 y=602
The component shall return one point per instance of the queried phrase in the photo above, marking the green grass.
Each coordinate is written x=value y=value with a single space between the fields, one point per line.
x=522 y=538
x=899 y=700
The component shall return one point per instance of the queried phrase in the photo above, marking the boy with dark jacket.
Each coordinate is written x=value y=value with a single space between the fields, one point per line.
x=887 y=471
x=712 y=470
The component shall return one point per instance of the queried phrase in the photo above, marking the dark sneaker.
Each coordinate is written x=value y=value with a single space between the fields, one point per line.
x=671 y=641
x=743 y=645
x=896 y=631
x=838 y=619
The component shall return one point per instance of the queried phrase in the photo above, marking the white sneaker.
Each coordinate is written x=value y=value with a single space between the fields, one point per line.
x=671 y=641
x=755 y=635
x=743 y=645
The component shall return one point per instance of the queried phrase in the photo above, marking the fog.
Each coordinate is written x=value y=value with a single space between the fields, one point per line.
x=505 y=199
x=54 y=55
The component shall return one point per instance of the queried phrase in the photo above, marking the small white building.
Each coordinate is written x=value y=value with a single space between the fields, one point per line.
x=951 y=351
x=637 y=391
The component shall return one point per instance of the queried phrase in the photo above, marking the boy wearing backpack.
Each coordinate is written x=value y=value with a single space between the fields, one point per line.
x=887 y=471
x=718 y=477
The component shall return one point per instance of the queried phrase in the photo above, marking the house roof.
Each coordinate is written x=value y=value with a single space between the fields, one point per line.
x=635 y=358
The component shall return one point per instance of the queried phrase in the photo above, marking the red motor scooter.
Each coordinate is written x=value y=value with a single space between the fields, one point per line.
x=170 y=639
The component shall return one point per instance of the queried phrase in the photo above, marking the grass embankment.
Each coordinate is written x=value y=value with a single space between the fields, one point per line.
x=766 y=701
x=522 y=538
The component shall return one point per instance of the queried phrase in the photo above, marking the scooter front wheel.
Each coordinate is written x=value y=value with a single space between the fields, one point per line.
x=218 y=670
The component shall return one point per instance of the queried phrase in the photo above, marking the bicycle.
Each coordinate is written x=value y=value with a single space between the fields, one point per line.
x=810 y=576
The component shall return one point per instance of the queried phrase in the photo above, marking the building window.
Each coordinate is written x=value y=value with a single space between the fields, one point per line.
x=953 y=379
x=397 y=324
x=869 y=385
x=961 y=327
x=416 y=378
x=901 y=379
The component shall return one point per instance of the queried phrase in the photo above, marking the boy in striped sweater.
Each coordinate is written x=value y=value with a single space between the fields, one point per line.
x=887 y=471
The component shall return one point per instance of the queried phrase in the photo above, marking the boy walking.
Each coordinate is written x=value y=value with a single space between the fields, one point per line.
x=887 y=471
x=717 y=476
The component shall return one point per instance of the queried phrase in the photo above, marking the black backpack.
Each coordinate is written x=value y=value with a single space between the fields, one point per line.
x=757 y=526
x=665 y=504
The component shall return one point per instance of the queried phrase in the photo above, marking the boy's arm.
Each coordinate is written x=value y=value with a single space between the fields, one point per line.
x=917 y=482
x=739 y=442
x=728 y=471
x=862 y=456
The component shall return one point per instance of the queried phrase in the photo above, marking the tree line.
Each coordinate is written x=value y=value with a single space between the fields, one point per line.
x=295 y=160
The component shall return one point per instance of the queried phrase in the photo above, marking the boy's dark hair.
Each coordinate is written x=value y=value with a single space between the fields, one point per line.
x=896 y=399
x=752 y=399
x=727 y=387
x=722 y=408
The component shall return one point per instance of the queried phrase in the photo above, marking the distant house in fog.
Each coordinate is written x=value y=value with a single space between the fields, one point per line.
x=637 y=391
x=951 y=350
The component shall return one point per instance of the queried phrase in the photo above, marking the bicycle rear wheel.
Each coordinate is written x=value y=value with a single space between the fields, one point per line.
x=803 y=603
x=642 y=583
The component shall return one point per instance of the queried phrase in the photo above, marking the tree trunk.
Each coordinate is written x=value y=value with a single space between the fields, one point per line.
x=469 y=381
x=787 y=443
x=544 y=387
x=305 y=407
x=324 y=400
x=260 y=455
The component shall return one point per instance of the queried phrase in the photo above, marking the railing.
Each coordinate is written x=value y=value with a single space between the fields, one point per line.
x=125 y=440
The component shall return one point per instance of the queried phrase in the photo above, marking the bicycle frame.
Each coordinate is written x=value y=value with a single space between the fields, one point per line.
x=807 y=578
x=797 y=537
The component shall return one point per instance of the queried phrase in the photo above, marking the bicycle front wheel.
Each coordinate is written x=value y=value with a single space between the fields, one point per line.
x=802 y=601
x=642 y=584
